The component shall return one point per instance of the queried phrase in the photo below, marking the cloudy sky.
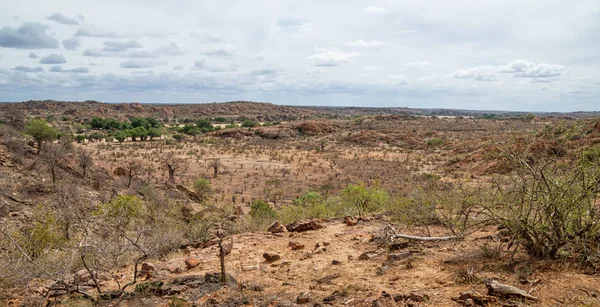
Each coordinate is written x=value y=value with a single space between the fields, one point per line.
x=530 y=55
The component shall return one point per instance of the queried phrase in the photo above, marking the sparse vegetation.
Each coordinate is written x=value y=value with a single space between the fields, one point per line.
x=106 y=208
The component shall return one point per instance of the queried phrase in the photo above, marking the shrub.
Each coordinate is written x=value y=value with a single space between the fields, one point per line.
x=364 y=199
x=249 y=124
x=41 y=131
x=435 y=142
x=121 y=210
x=42 y=235
x=260 y=209
x=313 y=205
x=547 y=208
x=592 y=154
x=178 y=137
x=202 y=188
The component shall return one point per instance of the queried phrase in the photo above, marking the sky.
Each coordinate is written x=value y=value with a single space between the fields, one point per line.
x=520 y=55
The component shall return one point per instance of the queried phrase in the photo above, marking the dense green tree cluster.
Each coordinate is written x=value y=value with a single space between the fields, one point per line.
x=141 y=128
x=202 y=126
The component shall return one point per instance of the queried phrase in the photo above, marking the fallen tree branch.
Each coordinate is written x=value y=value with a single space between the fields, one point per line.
x=389 y=233
x=416 y=238
x=496 y=288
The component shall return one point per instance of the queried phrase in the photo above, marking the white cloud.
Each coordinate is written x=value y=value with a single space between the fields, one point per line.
x=225 y=50
x=538 y=72
x=480 y=73
x=273 y=59
x=60 y=18
x=375 y=44
x=398 y=79
x=202 y=65
x=375 y=10
x=418 y=63
x=71 y=43
x=332 y=58
x=95 y=31
x=53 y=59
x=143 y=63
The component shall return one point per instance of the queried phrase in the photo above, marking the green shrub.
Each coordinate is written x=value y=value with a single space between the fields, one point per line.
x=41 y=131
x=592 y=154
x=42 y=235
x=121 y=210
x=202 y=188
x=307 y=206
x=260 y=209
x=364 y=199
x=435 y=142
x=249 y=124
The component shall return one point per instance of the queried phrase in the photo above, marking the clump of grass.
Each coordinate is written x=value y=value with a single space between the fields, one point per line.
x=463 y=276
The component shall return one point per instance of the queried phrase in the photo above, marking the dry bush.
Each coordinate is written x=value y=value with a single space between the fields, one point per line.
x=549 y=208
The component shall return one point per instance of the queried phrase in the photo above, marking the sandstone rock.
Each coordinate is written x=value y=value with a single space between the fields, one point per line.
x=191 y=263
x=173 y=289
x=276 y=227
x=295 y=245
x=173 y=267
x=350 y=221
x=303 y=298
x=271 y=257
x=215 y=278
x=320 y=250
x=191 y=281
x=305 y=225
x=321 y=244
x=398 y=256
x=398 y=245
x=82 y=276
x=368 y=255
x=384 y=302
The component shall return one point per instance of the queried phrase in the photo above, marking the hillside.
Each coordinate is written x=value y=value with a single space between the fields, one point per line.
x=143 y=221
x=167 y=112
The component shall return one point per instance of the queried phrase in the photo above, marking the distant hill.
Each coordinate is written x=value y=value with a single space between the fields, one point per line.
x=349 y=111
x=168 y=112
x=261 y=111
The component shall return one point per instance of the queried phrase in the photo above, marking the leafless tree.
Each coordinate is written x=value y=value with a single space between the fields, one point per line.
x=132 y=169
x=215 y=164
x=16 y=118
x=273 y=189
x=85 y=161
x=52 y=156
x=173 y=164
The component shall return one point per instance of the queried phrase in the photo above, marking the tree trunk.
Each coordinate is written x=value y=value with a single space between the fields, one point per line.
x=222 y=260
x=171 y=174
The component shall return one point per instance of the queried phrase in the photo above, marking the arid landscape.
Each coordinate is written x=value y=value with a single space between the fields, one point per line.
x=256 y=204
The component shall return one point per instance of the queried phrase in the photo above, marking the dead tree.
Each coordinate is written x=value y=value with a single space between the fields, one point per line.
x=173 y=164
x=16 y=118
x=85 y=161
x=132 y=168
x=51 y=156
x=215 y=164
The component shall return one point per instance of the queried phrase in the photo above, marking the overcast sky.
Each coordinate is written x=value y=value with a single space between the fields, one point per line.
x=529 y=55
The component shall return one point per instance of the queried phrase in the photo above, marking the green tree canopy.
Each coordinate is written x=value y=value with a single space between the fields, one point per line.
x=365 y=199
x=41 y=131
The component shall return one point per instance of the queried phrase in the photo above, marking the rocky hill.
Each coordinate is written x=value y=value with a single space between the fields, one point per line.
x=168 y=112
